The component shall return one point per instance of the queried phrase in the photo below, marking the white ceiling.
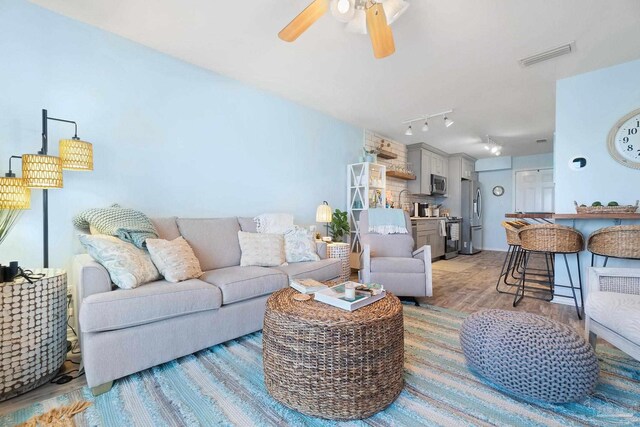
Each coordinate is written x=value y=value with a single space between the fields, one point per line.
x=460 y=54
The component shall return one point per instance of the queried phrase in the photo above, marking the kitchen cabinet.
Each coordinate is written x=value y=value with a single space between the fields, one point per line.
x=425 y=161
x=468 y=168
x=427 y=232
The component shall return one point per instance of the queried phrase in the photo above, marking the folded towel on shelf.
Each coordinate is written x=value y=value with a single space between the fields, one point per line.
x=455 y=231
x=387 y=221
x=274 y=223
x=442 y=228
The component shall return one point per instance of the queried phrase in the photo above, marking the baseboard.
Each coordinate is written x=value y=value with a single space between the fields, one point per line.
x=494 y=249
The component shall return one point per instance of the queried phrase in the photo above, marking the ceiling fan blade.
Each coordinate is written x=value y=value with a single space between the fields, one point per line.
x=380 y=32
x=304 y=20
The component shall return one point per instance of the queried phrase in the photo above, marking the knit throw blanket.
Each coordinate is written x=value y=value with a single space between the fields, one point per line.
x=127 y=224
x=387 y=221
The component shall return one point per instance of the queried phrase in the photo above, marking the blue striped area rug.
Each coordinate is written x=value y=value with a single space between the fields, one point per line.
x=223 y=385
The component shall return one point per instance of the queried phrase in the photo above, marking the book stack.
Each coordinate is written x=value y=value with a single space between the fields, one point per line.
x=307 y=286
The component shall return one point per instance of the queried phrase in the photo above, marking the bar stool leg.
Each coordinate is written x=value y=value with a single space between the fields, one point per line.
x=548 y=259
x=606 y=260
x=573 y=289
x=522 y=281
x=593 y=259
x=504 y=273
x=580 y=283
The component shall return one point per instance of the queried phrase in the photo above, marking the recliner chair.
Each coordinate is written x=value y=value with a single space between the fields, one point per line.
x=389 y=259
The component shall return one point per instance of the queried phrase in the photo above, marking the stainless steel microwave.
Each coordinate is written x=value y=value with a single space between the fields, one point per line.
x=438 y=184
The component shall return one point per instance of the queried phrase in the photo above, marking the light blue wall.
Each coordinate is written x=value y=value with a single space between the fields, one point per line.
x=587 y=107
x=169 y=138
x=496 y=207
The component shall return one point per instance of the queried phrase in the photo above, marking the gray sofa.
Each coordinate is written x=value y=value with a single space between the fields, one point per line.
x=126 y=331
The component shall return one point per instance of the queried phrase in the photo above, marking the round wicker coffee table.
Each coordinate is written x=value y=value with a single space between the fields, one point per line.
x=330 y=363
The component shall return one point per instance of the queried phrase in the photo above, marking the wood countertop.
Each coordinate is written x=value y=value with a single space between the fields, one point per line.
x=551 y=215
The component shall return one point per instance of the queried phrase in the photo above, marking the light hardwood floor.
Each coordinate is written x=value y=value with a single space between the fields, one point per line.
x=466 y=283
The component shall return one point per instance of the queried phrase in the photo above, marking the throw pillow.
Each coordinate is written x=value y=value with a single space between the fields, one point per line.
x=261 y=249
x=174 y=259
x=299 y=246
x=274 y=223
x=128 y=266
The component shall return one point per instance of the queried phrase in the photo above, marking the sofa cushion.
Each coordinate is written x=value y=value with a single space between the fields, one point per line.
x=155 y=301
x=618 y=312
x=167 y=228
x=247 y=224
x=242 y=283
x=397 y=265
x=325 y=269
x=214 y=241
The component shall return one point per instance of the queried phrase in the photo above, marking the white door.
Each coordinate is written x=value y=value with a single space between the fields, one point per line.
x=534 y=191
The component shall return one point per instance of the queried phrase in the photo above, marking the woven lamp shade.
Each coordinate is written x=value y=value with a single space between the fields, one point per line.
x=76 y=155
x=40 y=171
x=323 y=213
x=14 y=194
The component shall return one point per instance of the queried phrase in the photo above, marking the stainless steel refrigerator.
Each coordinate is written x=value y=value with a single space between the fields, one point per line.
x=471 y=218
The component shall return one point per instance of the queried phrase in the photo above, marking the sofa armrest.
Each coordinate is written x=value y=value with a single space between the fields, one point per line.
x=423 y=253
x=365 y=264
x=90 y=276
x=321 y=249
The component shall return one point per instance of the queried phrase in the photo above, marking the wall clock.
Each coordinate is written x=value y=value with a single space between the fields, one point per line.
x=498 y=190
x=624 y=140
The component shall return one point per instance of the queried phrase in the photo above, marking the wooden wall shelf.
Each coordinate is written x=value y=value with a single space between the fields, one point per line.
x=384 y=154
x=401 y=175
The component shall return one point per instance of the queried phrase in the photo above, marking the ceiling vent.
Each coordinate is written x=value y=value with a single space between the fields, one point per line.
x=565 y=49
x=541 y=141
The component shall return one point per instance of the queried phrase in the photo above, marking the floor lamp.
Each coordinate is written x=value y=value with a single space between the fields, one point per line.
x=42 y=171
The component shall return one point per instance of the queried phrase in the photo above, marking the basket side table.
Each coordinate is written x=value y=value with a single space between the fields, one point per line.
x=33 y=338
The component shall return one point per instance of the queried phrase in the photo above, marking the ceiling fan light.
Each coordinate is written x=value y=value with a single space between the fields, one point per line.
x=486 y=147
x=342 y=10
x=447 y=122
x=393 y=9
x=358 y=24
x=425 y=128
x=409 y=131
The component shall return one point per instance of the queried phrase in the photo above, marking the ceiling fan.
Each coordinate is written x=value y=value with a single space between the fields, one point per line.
x=361 y=16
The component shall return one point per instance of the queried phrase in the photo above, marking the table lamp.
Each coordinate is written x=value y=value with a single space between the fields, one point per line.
x=324 y=214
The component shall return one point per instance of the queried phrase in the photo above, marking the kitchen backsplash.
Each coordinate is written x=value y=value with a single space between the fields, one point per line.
x=394 y=185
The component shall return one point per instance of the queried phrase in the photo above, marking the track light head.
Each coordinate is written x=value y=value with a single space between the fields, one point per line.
x=425 y=127
x=447 y=121
x=409 y=131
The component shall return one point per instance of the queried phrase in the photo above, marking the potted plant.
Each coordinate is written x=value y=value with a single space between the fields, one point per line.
x=339 y=225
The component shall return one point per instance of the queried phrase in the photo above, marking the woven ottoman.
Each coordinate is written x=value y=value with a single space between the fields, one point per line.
x=530 y=356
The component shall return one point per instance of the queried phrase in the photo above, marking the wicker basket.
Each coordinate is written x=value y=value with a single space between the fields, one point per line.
x=603 y=210
x=551 y=238
x=619 y=241
x=330 y=363
x=512 y=228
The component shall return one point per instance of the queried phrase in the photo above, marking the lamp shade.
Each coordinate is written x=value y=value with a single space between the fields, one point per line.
x=358 y=24
x=394 y=9
x=40 y=171
x=324 y=213
x=14 y=194
x=76 y=154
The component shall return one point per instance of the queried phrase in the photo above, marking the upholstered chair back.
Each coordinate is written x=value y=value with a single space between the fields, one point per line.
x=387 y=245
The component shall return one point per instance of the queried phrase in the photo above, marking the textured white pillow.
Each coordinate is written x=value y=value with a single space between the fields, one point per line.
x=174 y=258
x=261 y=249
x=128 y=266
x=300 y=246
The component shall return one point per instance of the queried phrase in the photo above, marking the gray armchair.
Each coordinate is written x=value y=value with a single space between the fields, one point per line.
x=389 y=259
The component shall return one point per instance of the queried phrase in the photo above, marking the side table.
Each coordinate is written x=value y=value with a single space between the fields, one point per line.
x=341 y=251
x=33 y=334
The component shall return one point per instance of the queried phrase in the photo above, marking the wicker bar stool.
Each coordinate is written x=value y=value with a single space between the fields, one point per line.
x=512 y=267
x=551 y=239
x=619 y=241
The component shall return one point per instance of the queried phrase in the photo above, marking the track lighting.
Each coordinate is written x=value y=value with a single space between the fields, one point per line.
x=447 y=121
x=409 y=131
